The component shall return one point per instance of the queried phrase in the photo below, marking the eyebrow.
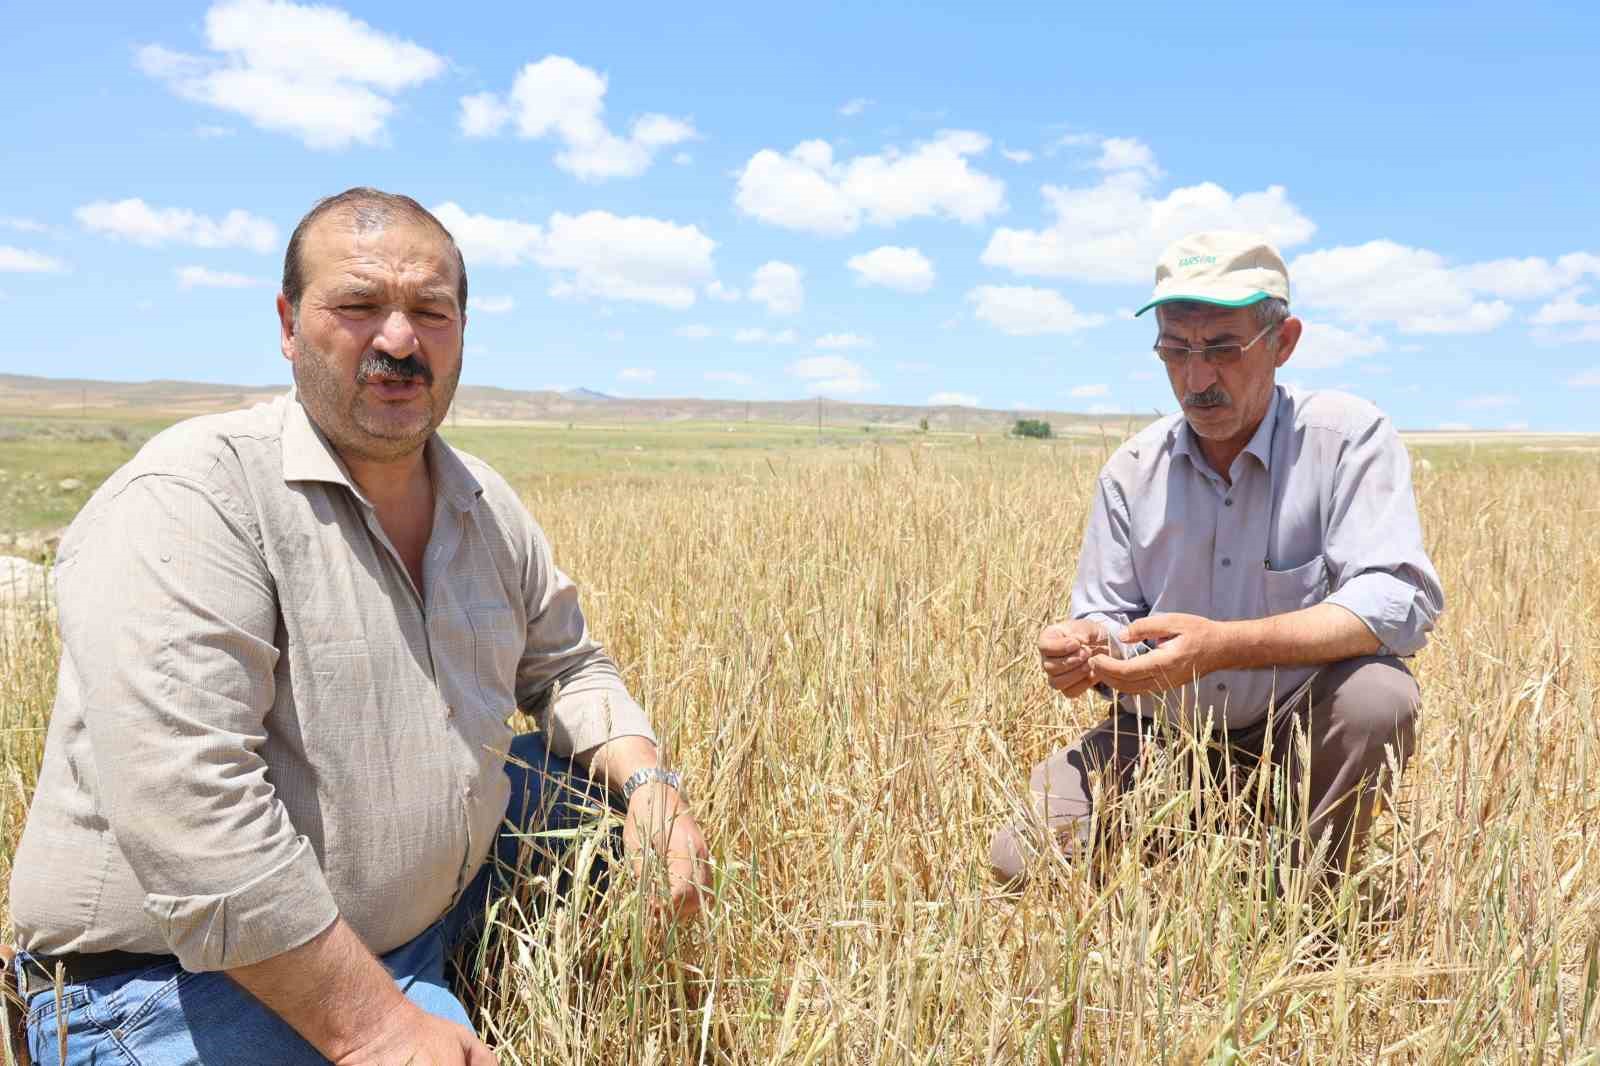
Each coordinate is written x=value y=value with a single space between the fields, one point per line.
x=1220 y=338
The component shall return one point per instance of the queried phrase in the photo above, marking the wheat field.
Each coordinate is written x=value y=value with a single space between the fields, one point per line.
x=838 y=651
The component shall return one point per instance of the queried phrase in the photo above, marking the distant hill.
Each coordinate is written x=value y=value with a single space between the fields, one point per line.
x=21 y=394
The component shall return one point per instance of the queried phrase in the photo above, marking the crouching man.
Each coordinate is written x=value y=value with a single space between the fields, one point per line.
x=1253 y=562
x=276 y=789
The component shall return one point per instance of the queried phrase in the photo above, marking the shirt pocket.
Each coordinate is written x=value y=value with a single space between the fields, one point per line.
x=1292 y=590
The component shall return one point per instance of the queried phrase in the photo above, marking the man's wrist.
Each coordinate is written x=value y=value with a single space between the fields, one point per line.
x=649 y=775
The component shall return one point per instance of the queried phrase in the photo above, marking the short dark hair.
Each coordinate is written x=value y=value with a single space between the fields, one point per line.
x=371 y=208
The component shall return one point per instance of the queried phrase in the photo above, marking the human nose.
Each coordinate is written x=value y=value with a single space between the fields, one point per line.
x=1198 y=374
x=395 y=337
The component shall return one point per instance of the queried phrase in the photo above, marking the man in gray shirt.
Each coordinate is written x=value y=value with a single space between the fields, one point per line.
x=1250 y=566
x=276 y=789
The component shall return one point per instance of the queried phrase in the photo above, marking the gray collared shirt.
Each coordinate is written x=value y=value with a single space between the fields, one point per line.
x=1320 y=510
x=260 y=723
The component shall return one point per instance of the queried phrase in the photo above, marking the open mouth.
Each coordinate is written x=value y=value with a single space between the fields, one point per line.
x=392 y=389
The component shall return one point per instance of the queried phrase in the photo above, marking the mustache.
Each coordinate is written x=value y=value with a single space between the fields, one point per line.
x=1215 y=396
x=379 y=365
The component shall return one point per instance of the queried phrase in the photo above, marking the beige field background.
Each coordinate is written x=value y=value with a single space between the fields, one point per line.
x=836 y=643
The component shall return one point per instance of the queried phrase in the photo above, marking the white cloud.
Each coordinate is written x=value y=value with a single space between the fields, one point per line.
x=778 y=285
x=722 y=293
x=806 y=189
x=559 y=97
x=1017 y=155
x=636 y=373
x=136 y=221
x=211 y=133
x=1127 y=153
x=758 y=335
x=682 y=159
x=1586 y=379
x=902 y=269
x=854 y=107
x=1566 y=309
x=600 y=255
x=634 y=258
x=1385 y=282
x=314 y=72
x=488 y=241
x=913 y=367
x=491 y=305
x=1104 y=409
x=1084 y=392
x=614 y=335
x=1530 y=278
x=199 y=277
x=1489 y=401
x=695 y=331
x=1323 y=347
x=953 y=399
x=1454 y=427
x=832 y=375
x=841 y=342
x=1515 y=427
x=22 y=225
x=729 y=377
x=1115 y=231
x=1027 y=312
x=22 y=261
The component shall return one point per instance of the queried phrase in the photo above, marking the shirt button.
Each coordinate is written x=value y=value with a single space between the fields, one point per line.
x=1228 y=502
x=1222 y=686
x=1226 y=561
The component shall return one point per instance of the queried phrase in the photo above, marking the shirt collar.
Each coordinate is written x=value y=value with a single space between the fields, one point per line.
x=309 y=456
x=1260 y=446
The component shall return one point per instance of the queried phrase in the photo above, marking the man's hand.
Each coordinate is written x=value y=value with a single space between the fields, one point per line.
x=1190 y=648
x=337 y=995
x=410 y=1036
x=660 y=829
x=1065 y=650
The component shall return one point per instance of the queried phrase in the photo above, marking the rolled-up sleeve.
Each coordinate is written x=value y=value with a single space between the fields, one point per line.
x=1379 y=568
x=171 y=621
x=1106 y=589
x=566 y=679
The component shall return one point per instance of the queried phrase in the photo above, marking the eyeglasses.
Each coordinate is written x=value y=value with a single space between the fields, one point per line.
x=1176 y=355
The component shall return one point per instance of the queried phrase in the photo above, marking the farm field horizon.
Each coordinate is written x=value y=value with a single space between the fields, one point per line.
x=835 y=639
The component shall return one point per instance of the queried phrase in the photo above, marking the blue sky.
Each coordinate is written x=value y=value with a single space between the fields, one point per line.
x=901 y=203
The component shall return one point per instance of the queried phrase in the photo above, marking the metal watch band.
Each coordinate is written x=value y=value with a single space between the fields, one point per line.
x=670 y=778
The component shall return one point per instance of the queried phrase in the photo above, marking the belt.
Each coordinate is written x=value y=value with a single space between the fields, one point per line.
x=39 y=971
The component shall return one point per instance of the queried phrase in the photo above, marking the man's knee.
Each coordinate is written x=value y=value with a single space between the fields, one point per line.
x=1008 y=863
x=1376 y=700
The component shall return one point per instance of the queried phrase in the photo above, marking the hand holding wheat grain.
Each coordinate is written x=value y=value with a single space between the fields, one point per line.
x=1065 y=649
x=1190 y=647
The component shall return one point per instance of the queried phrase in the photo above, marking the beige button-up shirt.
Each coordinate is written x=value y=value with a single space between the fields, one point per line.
x=260 y=723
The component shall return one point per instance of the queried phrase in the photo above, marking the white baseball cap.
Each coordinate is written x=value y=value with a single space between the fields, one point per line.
x=1223 y=267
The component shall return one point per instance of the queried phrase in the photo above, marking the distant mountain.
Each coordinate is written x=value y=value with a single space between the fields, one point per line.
x=20 y=394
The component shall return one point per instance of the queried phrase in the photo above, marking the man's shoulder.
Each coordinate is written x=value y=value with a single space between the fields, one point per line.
x=1332 y=411
x=1143 y=453
x=502 y=500
x=206 y=449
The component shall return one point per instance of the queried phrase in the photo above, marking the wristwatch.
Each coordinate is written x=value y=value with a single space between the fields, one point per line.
x=671 y=778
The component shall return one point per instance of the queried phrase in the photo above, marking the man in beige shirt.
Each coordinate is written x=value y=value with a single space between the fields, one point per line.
x=292 y=638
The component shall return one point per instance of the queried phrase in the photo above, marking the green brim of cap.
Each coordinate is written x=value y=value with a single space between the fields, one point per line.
x=1254 y=298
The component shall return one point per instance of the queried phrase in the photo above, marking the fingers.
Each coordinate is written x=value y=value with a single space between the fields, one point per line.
x=1146 y=673
x=1055 y=641
x=478 y=1055
x=1156 y=627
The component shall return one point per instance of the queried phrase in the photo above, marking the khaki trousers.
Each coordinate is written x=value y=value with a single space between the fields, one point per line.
x=1354 y=710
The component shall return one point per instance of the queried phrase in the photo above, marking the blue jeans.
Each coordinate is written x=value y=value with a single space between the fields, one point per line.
x=166 y=1016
